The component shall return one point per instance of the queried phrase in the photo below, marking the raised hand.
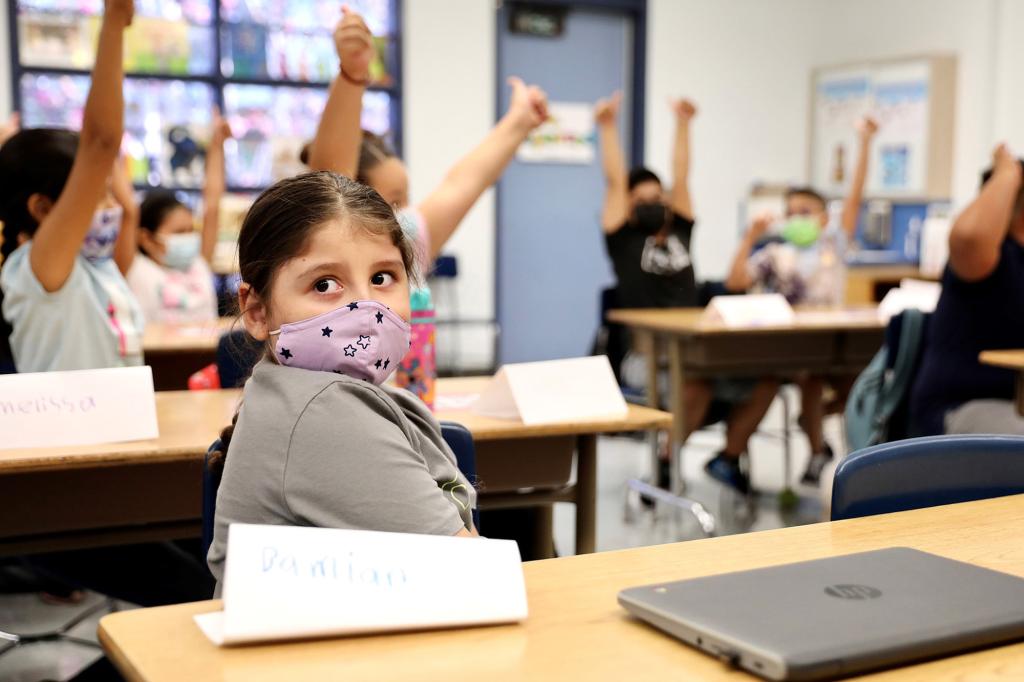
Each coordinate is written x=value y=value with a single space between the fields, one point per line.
x=684 y=109
x=121 y=12
x=9 y=127
x=606 y=111
x=1003 y=161
x=528 y=106
x=355 y=46
x=867 y=127
x=220 y=129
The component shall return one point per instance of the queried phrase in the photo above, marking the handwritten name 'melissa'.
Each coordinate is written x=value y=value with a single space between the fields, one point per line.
x=54 y=405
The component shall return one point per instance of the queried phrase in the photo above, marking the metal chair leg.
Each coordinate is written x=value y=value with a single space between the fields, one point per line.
x=702 y=516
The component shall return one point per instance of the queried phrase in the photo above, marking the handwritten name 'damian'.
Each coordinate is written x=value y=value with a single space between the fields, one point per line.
x=346 y=567
x=50 y=404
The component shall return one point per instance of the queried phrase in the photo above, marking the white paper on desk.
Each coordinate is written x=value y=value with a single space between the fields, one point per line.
x=84 y=407
x=286 y=582
x=752 y=310
x=911 y=294
x=554 y=391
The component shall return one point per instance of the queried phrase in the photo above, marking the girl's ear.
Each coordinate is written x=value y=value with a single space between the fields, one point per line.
x=152 y=248
x=254 y=313
x=39 y=206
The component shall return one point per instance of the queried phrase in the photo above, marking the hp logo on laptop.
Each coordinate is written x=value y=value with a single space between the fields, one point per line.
x=857 y=592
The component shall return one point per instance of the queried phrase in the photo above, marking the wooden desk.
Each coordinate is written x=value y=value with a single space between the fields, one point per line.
x=1009 y=359
x=868 y=284
x=176 y=351
x=107 y=494
x=575 y=629
x=839 y=341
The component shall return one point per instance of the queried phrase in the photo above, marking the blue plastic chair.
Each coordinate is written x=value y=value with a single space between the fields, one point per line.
x=458 y=437
x=927 y=472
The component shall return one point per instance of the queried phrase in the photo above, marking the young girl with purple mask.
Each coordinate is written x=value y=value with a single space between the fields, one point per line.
x=319 y=441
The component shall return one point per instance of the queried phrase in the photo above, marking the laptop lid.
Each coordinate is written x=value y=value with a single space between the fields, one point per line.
x=837 y=616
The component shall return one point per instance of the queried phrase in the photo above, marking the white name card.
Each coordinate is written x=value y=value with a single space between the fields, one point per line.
x=286 y=582
x=755 y=310
x=554 y=391
x=85 y=407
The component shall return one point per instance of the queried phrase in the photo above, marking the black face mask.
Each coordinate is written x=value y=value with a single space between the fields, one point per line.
x=649 y=218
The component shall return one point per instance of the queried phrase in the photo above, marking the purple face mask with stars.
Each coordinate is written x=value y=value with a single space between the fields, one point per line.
x=362 y=339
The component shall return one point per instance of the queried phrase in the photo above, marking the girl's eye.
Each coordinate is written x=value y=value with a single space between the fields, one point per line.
x=326 y=286
x=382 y=279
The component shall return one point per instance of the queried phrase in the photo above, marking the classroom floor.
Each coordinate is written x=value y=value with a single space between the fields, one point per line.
x=619 y=459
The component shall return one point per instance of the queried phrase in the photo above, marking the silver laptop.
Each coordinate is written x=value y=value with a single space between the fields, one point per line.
x=834 y=617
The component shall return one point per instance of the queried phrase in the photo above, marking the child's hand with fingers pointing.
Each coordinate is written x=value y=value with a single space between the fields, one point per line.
x=121 y=12
x=606 y=111
x=684 y=109
x=355 y=46
x=528 y=107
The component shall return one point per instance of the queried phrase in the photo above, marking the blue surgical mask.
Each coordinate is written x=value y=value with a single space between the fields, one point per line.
x=99 y=241
x=181 y=250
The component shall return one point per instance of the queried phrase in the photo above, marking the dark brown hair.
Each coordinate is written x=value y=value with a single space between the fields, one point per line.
x=807 y=192
x=278 y=226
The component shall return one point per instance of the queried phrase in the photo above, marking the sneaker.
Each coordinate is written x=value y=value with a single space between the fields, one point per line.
x=815 y=466
x=726 y=470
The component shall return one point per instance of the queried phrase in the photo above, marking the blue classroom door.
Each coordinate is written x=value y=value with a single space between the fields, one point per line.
x=551 y=257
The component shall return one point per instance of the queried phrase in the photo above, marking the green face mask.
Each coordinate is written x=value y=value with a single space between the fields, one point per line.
x=801 y=231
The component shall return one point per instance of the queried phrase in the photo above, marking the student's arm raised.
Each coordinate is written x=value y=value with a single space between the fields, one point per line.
x=866 y=130
x=9 y=127
x=680 y=199
x=59 y=238
x=615 y=211
x=447 y=205
x=336 y=145
x=739 y=279
x=126 y=245
x=978 y=233
x=215 y=184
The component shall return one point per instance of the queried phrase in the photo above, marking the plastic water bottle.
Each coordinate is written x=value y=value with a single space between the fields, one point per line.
x=418 y=371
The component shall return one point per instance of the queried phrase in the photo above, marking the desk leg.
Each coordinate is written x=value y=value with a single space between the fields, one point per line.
x=586 y=493
x=678 y=407
x=652 y=367
x=1020 y=393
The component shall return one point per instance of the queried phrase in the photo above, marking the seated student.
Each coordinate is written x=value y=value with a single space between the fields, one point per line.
x=63 y=201
x=981 y=308
x=171 y=275
x=647 y=234
x=63 y=197
x=807 y=269
x=319 y=440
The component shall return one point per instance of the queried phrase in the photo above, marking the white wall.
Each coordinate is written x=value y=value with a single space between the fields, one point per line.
x=5 y=67
x=748 y=64
x=448 y=72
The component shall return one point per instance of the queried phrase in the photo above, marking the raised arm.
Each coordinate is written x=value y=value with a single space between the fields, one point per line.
x=126 y=245
x=445 y=208
x=866 y=130
x=739 y=274
x=59 y=237
x=615 y=211
x=336 y=145
x=978 y=232
x=215 y=184
x=684 y=110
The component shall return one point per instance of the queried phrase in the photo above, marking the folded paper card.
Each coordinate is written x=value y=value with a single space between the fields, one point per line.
x=755 y=310
x=286 y=582
x=86 y=407
x=554 y=391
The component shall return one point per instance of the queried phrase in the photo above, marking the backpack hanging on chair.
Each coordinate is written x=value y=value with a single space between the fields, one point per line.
x=876 y=410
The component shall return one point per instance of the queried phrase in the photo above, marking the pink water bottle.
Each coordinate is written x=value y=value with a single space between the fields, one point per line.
x=418 y=371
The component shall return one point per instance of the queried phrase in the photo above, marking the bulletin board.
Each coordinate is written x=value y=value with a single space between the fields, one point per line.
x=913 y=100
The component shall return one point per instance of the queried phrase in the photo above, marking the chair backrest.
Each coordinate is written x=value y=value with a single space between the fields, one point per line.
x=927 y=472
x=211 y=481
x=458 y=437
x=237 y=354
x=460 y=440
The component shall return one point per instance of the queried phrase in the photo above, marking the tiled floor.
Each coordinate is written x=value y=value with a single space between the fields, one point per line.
x=619 y=459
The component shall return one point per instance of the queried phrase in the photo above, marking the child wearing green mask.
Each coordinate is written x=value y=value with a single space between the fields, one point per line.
x=808 y=270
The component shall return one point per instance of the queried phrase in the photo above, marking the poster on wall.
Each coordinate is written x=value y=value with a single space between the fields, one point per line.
x=566 y=137
x=897 y=96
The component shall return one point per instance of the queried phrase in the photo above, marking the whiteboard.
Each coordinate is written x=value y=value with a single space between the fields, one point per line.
x=897 y=94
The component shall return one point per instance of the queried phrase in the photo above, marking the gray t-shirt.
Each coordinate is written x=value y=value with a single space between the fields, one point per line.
x=323 y=449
